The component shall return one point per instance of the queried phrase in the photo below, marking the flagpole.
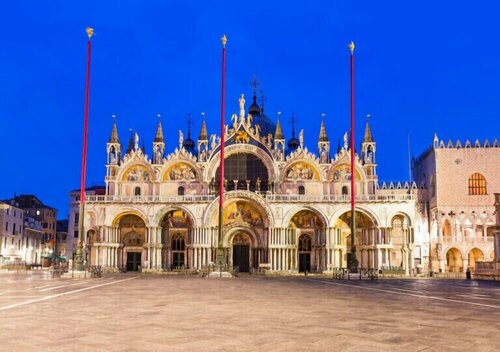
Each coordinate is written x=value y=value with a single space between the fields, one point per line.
x=79 y=258
x=353 y=263
x=221 y=260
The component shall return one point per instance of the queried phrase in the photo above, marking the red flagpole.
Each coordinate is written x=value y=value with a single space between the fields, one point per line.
x=353 y=175
x=85 y=124
x=353 y=189
x=220 y=252
x=79 y=259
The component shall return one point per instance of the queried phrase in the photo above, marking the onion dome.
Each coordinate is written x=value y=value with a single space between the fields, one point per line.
x=259 y=118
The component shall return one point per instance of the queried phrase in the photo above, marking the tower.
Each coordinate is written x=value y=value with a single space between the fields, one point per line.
x=203 y=140
x=279 y=141
x=323 y=143
x=113 y=148
x=158 y=144
x=368 y=149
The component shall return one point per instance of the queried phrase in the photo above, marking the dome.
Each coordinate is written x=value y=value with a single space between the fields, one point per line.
x=266 y=124
x=259 y=118
x=188 y=145
x=293 y=144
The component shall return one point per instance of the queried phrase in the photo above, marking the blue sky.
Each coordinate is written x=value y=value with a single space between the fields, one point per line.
x=422 y=66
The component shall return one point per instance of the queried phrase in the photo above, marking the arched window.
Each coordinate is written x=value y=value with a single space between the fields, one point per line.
x=345 y=191
x=304 y=243
x=137 y=191
x=178 y=247
x=477 y=184
x=180 y=191
x=302 y=190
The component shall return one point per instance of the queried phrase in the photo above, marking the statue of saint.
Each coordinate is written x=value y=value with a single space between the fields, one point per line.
x=136 y=141
x=213 y=143
x=242 y=106
x=181 y=139
x=301 y=139
x=345 y=141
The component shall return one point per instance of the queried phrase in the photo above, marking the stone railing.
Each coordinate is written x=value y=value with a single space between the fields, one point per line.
x=268 y=196
x=466 y=239
x=151 y=199
x=339 y=198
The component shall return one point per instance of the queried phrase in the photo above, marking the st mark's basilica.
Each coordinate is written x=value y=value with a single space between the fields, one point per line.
x=287 y=208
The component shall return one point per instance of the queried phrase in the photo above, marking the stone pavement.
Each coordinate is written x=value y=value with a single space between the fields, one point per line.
x=187 y=313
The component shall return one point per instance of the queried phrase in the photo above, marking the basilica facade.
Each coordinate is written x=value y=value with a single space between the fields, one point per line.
x=287 y=209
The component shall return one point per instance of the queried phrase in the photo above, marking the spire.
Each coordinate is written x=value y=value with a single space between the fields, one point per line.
x=339 y=146
x=203 y=132
x=114 y=132
x=189 y=126
x=293 y=143
x=322 y=131
x=435 y=141
x=159 y=131
x=131 y=142
x=189 y=143
x=143 y=148
x=278 y=134
x=368 y=131
x=254 y=108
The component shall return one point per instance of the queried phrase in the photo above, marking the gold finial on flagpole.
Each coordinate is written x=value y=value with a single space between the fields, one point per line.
x=223 y=40
x=90 y=32
x=351 y=47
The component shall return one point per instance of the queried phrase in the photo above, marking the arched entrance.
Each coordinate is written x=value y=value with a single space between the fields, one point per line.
x=363 y=240
x=175 y=233
x=454 y=263
x=305 y=245
x=132 y=231
x=401 y=238
x=241 y=245
x=310 y=231
x=475 y=255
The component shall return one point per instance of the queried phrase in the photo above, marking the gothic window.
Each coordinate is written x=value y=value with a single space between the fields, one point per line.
x=305 y=243
x=178 y=247
x=302 y=190
x=180 y=191
x=477 y=184
x=137 y=191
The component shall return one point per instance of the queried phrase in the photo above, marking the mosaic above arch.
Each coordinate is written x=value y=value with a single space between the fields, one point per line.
x=176 y=219
x=301 y=171
x=137 y=173
x=242 y=211
x=343 y=173
x=180 y=171
x=306 y=219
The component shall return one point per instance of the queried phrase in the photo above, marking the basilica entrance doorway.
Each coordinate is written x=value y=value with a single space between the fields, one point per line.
x=304 y=253
x=241 y=252
x=133 y=261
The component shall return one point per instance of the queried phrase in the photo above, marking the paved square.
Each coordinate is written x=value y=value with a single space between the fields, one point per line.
x=188 y=313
